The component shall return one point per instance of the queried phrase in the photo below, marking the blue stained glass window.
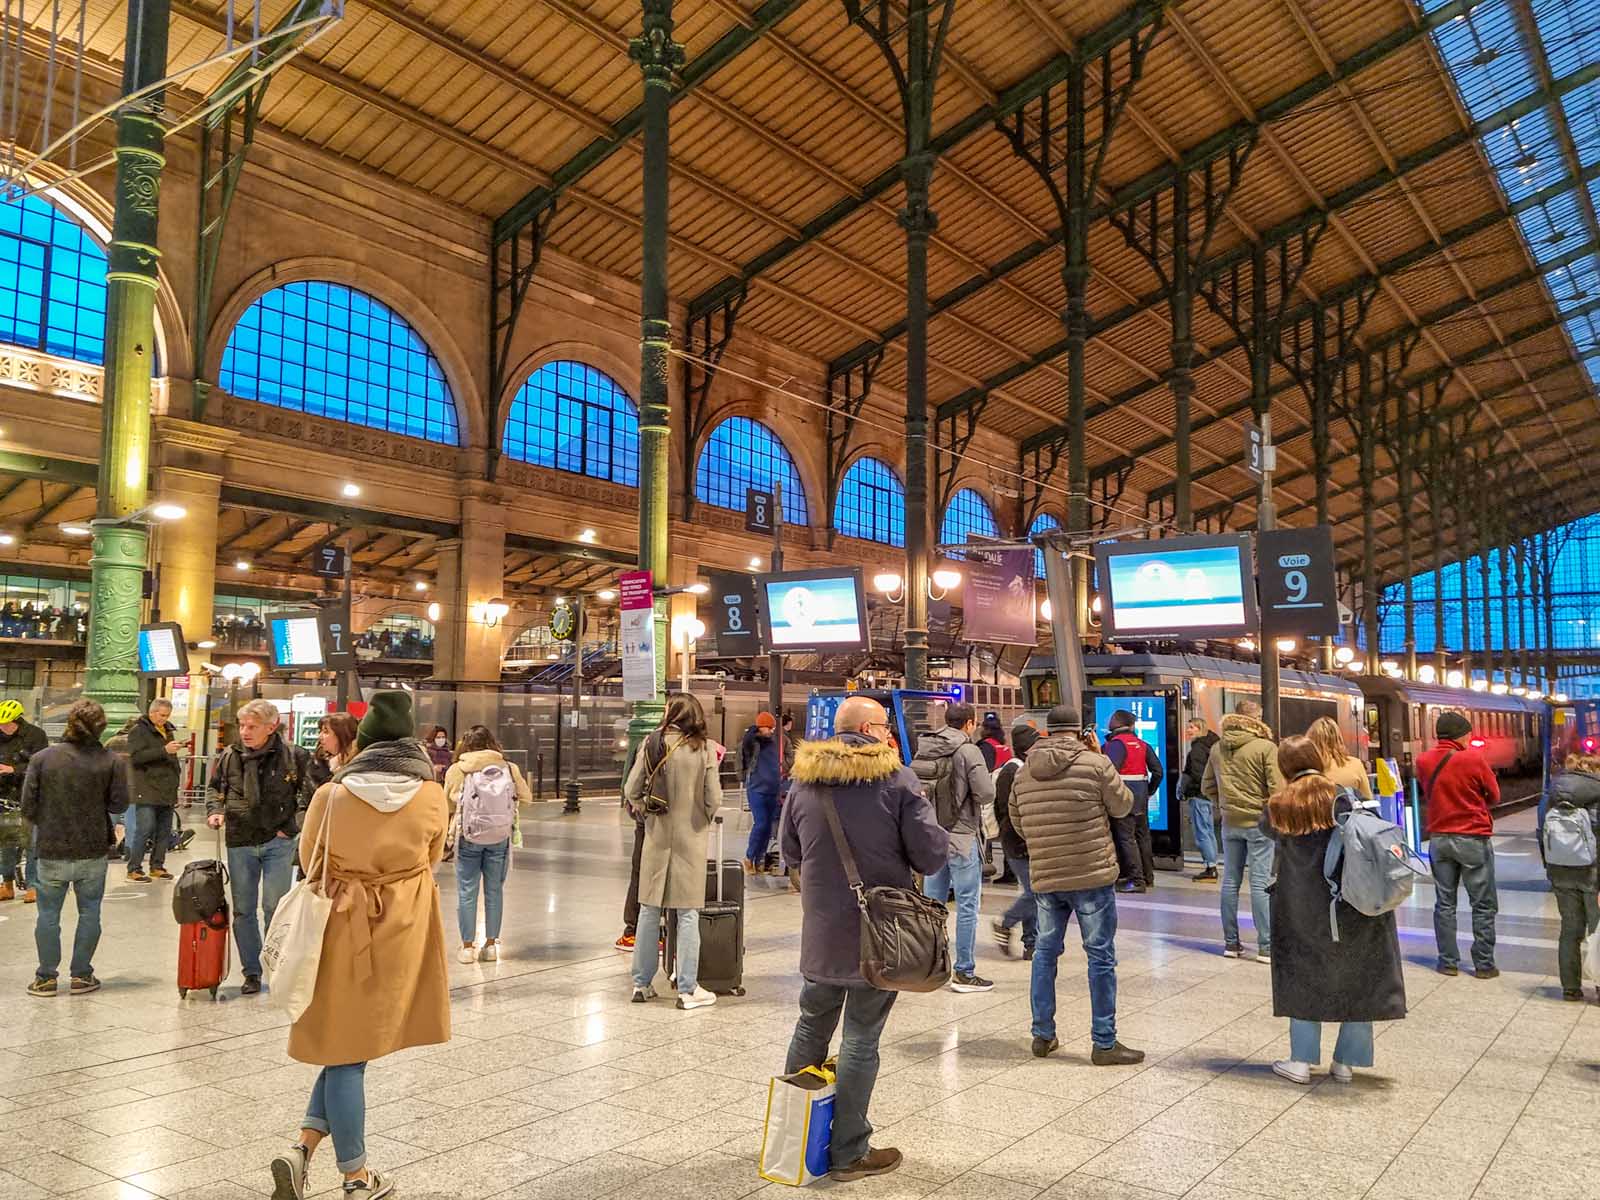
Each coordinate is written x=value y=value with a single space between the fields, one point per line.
x=52 y=282
x=1040 y=524
x=570 y=417
x=326 y=349
x=871 y=503
x=967 y=513
x=743 y=454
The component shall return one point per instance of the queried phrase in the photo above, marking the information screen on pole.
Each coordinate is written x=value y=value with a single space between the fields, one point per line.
x=814 y=611
x=1177 y=587
x=296 y=641
x=161 y=650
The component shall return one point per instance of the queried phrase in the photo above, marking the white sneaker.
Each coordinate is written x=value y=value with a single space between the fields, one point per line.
x=490 y=952
x=289 y=1173
x=467 y=954
x=699 y=998
x=1341 y=1073
x=1294 y=1072
x=1263 y=956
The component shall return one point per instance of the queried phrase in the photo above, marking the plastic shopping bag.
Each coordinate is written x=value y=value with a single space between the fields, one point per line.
x=291 y=953
x=1591 y=956
x=795 y=1145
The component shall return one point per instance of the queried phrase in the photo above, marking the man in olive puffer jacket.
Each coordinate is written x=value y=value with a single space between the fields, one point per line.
x=1062 y=803
x=1243 y=774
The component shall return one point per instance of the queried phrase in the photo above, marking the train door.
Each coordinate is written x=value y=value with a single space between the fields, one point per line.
x=1158 y=722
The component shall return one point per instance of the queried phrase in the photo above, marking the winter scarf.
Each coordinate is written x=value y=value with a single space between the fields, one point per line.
x=404 y=757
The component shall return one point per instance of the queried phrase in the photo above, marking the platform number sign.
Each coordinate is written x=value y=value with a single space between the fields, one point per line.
x=333 y=626
x=735 y=630
x=757 y=511
x=1299 y=587
x=328 y=561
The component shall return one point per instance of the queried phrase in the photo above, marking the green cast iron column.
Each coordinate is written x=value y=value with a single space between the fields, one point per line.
x=120 y=550
x=1181 y=378
x=658 y=57
x=1075 y=278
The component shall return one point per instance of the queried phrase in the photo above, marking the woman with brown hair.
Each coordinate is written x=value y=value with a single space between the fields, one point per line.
x=1574 y=886
x=1342 y=768
x=674 y=785
x=336 y=743
x=1355 y=980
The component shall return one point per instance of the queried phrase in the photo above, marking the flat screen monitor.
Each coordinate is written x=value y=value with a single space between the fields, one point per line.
x=162 y=653
x=812 y=611
x=1150 y=726
x=1182 y=587
x=296 y=641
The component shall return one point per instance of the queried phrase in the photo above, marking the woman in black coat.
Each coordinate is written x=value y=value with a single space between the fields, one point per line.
x=1354 y=981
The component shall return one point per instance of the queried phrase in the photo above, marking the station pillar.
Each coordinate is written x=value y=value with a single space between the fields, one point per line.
x=469 y=638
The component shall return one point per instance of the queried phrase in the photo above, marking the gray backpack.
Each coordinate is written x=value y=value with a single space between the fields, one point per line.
x=1568 y=837
x=1378 y=867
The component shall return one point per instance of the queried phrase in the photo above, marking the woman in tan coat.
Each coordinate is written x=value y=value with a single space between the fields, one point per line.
x=1339 y=766
x=674 y=784
x=383 y=984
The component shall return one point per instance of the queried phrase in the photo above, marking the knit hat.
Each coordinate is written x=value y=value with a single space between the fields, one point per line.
x=1122 y=719
x=389 y=719
x=766 y=720
x=1022 y=739
x=1064 y=718
x=1452 y=726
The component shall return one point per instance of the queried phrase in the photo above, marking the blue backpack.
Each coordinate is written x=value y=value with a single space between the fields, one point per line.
x=1378 y=868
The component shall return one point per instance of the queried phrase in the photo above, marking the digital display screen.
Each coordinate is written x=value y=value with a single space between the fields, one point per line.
x=814 y=610
x=296 y=641
x=1178 y=587
x=161 y=650
x=1150 y=724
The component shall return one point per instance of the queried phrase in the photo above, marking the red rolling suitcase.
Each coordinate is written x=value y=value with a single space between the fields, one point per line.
x=203 y=955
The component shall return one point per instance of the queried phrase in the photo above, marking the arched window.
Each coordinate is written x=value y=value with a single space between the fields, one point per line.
x=743 y=454
x=329 y=350
x=571 y=417
x=967 y=513
x=871 y=504
x=1041 y=523
x=52 y=282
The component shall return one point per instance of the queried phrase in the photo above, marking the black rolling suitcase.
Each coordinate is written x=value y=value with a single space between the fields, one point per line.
x=721 y=927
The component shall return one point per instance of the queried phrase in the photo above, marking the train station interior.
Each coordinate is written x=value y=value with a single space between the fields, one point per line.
x=543 y=362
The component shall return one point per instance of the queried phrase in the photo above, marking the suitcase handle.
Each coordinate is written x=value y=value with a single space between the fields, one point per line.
x=720 y=855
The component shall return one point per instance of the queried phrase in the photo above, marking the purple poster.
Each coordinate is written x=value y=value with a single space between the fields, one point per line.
x=998 y=598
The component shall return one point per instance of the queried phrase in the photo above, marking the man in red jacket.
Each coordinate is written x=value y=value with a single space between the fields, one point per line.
x=1458 y=791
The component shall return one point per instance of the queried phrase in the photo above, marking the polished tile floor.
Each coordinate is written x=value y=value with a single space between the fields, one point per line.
x=556 y=1088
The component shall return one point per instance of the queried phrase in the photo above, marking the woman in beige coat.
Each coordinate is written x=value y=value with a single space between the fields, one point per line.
x=382 y=985
x=674 y=784
x=1339 y=766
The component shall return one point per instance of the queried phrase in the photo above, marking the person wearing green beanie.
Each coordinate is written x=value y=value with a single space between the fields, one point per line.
x=389 y=719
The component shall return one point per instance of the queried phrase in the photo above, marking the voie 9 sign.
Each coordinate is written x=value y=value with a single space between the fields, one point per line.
x=1299 y=587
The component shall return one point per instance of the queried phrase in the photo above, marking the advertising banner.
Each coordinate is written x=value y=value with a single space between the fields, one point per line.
x=637 y=600
x=998 y=598
x=1150 y=725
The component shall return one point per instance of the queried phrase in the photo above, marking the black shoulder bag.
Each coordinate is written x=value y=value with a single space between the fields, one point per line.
x=1437 y=771
x=905 y=946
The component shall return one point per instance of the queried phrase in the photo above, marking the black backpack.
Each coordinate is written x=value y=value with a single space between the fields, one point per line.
x=201 y=893
x=938 y=777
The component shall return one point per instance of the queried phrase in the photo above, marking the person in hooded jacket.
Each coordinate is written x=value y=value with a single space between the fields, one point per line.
x=489 y=864
x=1243 y=775
x=20 y=740
x=1574 y=887
x=1024 y=909
x=1063 y=804
x=153 y=749
x=383 y=985
x=1355 y=980
x=1140 y=769
x=1190 y=789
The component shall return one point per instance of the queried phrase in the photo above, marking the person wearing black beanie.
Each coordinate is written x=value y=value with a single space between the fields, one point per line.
x=1459 y=792
x=1024 y=910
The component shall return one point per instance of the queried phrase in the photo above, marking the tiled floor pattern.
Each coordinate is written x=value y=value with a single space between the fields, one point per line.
x=556 y=1088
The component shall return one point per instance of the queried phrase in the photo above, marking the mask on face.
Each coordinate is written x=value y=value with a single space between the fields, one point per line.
x=438 y=741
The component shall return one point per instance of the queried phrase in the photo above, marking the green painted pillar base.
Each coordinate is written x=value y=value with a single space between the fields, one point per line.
x=115 y=608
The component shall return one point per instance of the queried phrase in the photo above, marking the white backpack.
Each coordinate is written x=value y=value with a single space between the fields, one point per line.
x=488 y=806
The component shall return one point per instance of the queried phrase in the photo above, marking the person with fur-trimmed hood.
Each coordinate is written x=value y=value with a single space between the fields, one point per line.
x=1243 y=775
x=890 y=827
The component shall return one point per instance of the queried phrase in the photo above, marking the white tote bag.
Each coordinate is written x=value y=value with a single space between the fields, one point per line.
x=292 y=952
x=796 y=1142
x=1591 y=956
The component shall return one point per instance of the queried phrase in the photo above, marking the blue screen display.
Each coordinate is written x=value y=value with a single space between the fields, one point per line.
x=814 y=612
x=1150 y=713
x=159 y=652
x=1172 y=591
x=296 y=642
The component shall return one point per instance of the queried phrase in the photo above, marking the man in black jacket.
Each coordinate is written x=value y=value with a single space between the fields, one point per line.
x=257 y=791
x=1024 y=910
x=153 y=757
x=70 y=793
x=19 y=742
x=1201 y=740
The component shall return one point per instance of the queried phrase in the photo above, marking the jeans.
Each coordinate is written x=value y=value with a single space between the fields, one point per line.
x=149 y=823
x=87 y=879
x=865 y=1009
x=1024 y=908
x=257 y=876
x=1097 y=926
x=1580 y=913
x=965 y=875
x=490 y=864
x=763 y=816
x=648 y=947
x=1237 y=846
x=13 y=856
x=1205 y=832
x=338 y=1108
x=630 y=906
x=1353 y=1047
x=1466 y=860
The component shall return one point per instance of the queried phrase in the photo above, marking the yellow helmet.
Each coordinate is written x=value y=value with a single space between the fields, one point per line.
x=10 y=711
